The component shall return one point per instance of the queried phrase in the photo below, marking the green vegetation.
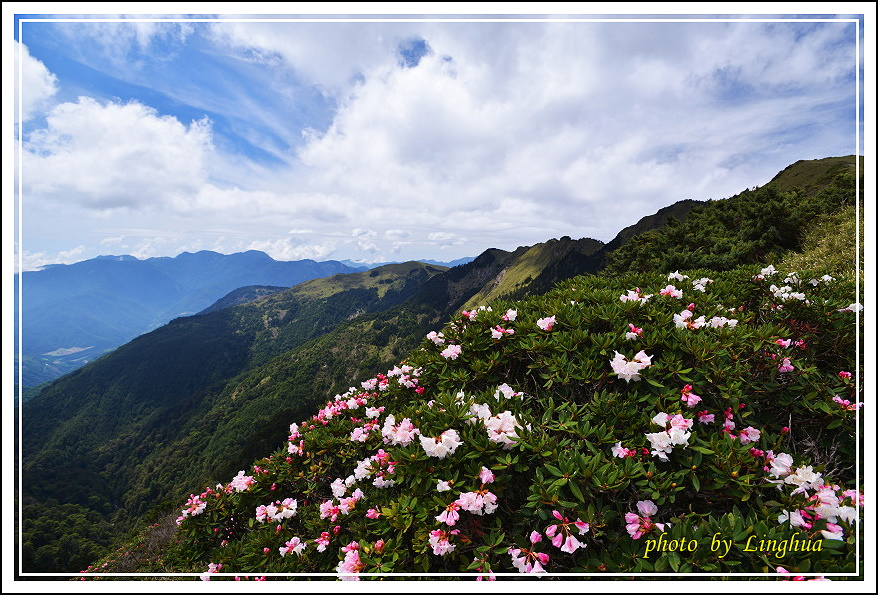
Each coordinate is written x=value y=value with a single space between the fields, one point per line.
x=754 y=226
x=550 y=434
x=131 y=435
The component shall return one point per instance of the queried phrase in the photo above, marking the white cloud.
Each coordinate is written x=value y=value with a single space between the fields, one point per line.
x=32 y=261
x=107 y=156
x=504 y=134
x=38 y=84
x=285 y=249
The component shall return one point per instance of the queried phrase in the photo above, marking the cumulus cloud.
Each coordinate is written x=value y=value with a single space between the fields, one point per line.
x=450 y=134
x=33 y=261
x=286 y=249
x=561 y=120
x=106 y=156
x=38 y=84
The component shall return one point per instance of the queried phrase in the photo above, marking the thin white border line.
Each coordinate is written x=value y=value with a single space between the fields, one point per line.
x=416 y=20
x=464 y=574
x=19 y=220
x=861 y=530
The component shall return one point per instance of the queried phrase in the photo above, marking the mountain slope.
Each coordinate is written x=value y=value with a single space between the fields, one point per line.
x=238 y=392
x=558 y=456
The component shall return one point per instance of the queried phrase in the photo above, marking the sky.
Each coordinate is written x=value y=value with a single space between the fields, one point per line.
x=393 y=140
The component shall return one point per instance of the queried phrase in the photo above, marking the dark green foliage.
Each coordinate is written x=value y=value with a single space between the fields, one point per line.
x=754 y=226
x=574 y=410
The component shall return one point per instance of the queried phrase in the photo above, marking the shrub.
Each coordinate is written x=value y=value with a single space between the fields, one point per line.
x=695 y=425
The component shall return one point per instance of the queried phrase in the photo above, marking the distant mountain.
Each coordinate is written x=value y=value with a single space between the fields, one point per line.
x=365 y=267
x=242 y=295
x=96 y=305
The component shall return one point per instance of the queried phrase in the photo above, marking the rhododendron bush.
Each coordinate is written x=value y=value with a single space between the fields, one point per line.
x=594 y=429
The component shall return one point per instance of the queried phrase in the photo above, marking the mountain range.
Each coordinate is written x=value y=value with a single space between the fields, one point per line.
x=73 y=314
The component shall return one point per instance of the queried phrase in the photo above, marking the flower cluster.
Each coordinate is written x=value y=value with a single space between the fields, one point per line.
x=451 y=352
x=690 y=398
x=440 y=541
x=635 y=296
x=672 y=291
x=627 y=369
x=402 y=433
x=278 y=511
x=194 y=506
x=639 y=525
x=441 y=446
x=561 y=534
x=529 y=561
x=547 y=323
x=684 y=320
x=633 y=333
x=676 y=433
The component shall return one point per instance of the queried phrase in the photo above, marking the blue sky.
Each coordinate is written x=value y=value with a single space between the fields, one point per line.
x=392 y=140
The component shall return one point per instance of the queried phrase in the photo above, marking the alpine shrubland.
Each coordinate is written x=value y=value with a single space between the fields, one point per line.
x=697 y=422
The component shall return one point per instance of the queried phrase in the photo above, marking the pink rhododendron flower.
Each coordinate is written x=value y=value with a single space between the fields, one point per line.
x=401 y=434
x=294 y=545
x=690 y=398
x=546 y=323
x=630 y=369
x=322 y=541
x=705 y=417
x=634 y=333
x=498 y=332
x=211 y=569
x=479 y=502
x=510 y=316
x=785 y=366
x=844 y=375
x=847 y=405
x=502 y=428
x=437 y=338
x=620 y=451
x=443 y=445
x=721 y=321
x=684 y=320
x=471 y=315
x=675 y=434
x=748 y=435
x=372 y=513
x=635 y=296
x=439 y=541
x=449 y=516
x=527 y=560
x=672 y=291
x=241 y=482
x=639 y=525
x=351 y=565
x=561 y=534
x=451 y=352
x=485 y=475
